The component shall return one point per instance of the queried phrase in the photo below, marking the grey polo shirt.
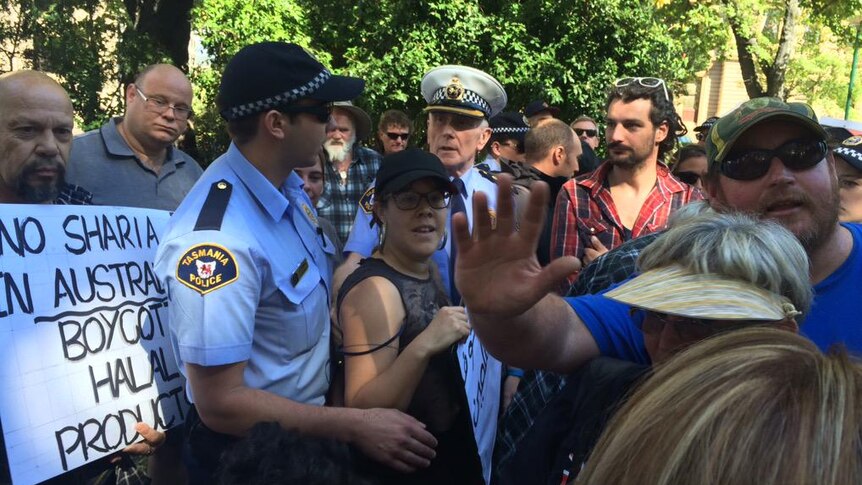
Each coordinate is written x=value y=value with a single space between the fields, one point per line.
x=103 y=163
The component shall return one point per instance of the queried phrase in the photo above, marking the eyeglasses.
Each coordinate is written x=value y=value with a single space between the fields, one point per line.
x=395 y=136
x=796 y=155
x=691 y=178
x=687 y=328
x=410 y=200
x=647 y=82
x=322 y=112
x=590 y=133
x=159 y=105
x=690 y=329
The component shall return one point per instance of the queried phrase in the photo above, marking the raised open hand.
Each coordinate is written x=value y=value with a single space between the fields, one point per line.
x=496 y=271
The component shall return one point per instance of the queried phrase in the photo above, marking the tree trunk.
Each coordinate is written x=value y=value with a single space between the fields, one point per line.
x=776 y=75
x=746 y=58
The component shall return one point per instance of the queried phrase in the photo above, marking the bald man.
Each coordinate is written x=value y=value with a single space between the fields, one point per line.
x=36 y=124
x=131 y=160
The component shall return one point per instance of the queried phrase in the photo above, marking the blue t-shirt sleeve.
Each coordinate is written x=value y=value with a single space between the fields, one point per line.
x=613 y=327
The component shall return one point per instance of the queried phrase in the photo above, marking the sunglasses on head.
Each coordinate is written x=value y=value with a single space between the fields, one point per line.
x=322 y=112
x=691 y=178
x=647 y=82
x=796 y=155
x=590 y=133
x=394 y=136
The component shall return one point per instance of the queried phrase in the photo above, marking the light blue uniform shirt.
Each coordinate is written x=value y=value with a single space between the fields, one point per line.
x=274 y=313
x=364 y=238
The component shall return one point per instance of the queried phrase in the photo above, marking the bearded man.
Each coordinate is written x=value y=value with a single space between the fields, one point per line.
x=632 y=193
x=351 y=167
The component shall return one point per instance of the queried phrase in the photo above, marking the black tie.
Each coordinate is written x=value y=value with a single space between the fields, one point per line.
x=457 y=206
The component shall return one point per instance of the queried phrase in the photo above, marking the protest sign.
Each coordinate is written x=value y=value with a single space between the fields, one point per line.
x=482 y=375
x=83 y=328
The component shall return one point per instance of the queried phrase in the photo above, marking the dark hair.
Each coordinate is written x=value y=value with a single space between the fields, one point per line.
x=661 y=110
x=544 y=137
x=242 y=130
x=394 y=117
x=271 y=455
x=686 y=152
x=503 y=137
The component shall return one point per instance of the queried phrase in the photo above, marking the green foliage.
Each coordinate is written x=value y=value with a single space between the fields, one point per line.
x=565 y=52
x=224 y=27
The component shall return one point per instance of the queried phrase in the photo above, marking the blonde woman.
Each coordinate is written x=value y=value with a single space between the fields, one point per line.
x=756 y=406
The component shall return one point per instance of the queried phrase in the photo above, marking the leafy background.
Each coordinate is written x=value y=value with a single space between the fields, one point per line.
x=565 y=52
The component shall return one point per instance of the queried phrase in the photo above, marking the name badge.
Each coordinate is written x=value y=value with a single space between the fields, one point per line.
x=297 y=275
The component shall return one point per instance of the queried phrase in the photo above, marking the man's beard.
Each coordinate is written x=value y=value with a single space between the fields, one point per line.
x=38 y=191
x=338 y=152
x=823 y=211
x=630 y=160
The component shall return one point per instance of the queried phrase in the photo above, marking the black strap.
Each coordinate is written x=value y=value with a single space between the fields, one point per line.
x=376 y=347
x=212 y=212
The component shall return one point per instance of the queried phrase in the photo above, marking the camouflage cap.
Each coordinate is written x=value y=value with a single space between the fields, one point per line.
x=730 y=127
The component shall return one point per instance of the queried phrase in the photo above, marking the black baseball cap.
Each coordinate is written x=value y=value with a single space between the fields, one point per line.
x=537 y=106
x=267 y=75
x=400 y=169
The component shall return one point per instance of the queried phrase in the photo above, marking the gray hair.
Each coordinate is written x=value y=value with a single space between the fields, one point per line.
x=739 y=246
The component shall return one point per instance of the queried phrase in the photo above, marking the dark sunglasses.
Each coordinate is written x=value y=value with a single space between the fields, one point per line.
x=320 y=111
x=691 y=178
x=796 y=155
x=590 y=133
x=410 y=200
x=395 y=136
x=701 y=135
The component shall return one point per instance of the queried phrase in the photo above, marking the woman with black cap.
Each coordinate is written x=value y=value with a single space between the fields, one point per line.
x=399 y=332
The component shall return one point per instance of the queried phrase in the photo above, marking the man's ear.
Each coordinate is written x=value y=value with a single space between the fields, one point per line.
x=483 y=138
x=275 y=124
x=788 y=324
x=558 y=154
x=661 y=132
x=130 y=93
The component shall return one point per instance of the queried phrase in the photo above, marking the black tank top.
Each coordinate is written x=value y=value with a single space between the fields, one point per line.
x=439 y=400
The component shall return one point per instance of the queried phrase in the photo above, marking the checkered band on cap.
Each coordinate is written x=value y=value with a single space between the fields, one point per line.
x=470 y=98
x=282 y=99
x=850 y=152
x=510 y=129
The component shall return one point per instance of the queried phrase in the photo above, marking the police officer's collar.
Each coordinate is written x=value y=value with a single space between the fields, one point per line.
x=271 y=199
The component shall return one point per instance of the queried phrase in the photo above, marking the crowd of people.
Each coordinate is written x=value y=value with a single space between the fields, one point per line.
x=672 y=313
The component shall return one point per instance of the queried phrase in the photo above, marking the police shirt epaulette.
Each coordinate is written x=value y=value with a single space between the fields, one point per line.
x=366 y=202
x=212 y=212
x=487 y=174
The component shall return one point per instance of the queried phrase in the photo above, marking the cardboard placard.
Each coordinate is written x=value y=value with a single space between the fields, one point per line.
x=84 y=333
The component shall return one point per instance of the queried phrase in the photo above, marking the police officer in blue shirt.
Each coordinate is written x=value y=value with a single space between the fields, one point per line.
x=460 y=100
x=247 y=272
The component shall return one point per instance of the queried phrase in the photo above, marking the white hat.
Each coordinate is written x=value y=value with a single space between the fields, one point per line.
x=463 y=90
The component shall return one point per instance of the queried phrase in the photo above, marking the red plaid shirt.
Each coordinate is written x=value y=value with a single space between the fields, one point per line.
x=585 y=208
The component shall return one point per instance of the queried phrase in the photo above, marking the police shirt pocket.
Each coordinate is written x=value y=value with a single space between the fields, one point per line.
x=302 y=325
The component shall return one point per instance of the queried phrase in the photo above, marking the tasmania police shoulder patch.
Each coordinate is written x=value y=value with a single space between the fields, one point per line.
x=207 y=267
x=367 y=200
